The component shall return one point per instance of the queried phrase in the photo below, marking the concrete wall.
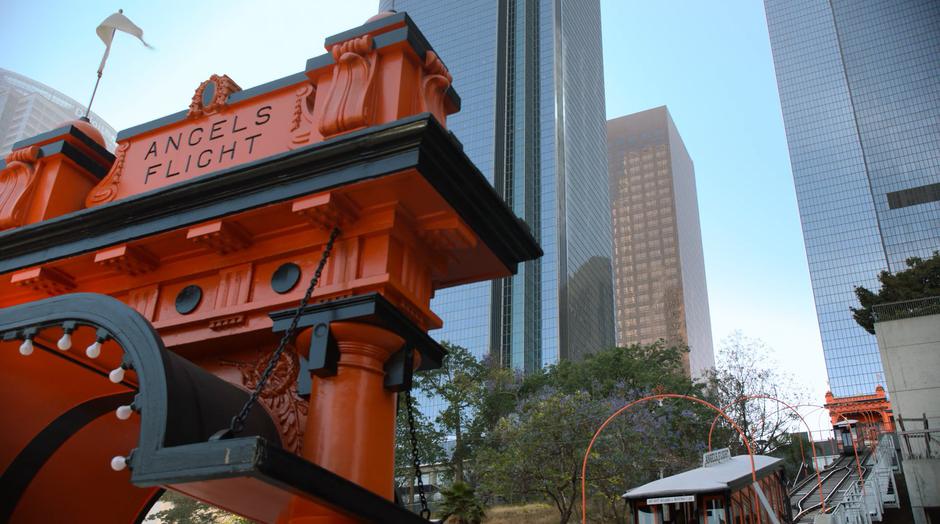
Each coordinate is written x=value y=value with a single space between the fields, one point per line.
x=923 y=482
x=910 y=353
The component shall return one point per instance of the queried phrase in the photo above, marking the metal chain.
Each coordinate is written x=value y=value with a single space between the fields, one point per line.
x=238 y=421
x=425 y=512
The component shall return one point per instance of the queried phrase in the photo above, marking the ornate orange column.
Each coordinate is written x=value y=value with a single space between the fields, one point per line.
x=351 y=423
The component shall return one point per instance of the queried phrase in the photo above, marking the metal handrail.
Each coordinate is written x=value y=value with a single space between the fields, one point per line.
x=920 y=443
x=866 y=499
x=920 y=307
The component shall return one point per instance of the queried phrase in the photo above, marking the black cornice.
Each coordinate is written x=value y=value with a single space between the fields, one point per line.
x=70 y=130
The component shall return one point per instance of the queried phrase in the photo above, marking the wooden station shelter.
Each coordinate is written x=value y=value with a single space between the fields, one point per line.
x=155 y=326
x=719 y=492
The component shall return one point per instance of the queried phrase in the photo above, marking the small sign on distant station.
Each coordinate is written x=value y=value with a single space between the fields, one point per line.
x=670 y=500
x=716 y=457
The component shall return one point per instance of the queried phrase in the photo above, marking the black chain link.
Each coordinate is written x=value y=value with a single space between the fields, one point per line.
x=425 y=512
x=238 y=421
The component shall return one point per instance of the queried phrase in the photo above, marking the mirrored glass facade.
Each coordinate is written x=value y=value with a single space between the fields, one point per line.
x=530 y=76
x=860 y=91
x=659 y=266
x=29 y=108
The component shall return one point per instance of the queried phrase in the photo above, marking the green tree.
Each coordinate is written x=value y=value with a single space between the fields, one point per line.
x=921 y=279
x=745 y=367
x=533 y=431
x=185 y=510
x=645 y=443
x=461 y=505
x=656 y=366
x=536 y=452
x=459 y=383
x=429 y=439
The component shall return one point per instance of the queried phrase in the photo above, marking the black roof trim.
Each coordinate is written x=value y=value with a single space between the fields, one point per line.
x=74 y=154
x=414 y=35
x=368 y=27
x=67 y=130
x=319 y=62
x=413 y=142
x=274 y=85
x=150 y=126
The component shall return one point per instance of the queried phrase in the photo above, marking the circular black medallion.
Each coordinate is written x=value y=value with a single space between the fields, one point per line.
x=187 y=300
x=285 y=278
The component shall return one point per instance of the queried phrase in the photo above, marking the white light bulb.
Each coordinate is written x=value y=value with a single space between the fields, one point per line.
x=26 y=348
x=124 y=412
x=118 y=463
x=116 y=375
x=65 y=343
x=93 y=350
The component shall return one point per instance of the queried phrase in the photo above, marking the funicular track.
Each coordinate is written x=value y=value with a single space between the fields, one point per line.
x=835 y=480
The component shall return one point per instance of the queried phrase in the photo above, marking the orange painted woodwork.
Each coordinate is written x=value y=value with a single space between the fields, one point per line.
x=38 y=183
x=354 y=427
x=207 y=286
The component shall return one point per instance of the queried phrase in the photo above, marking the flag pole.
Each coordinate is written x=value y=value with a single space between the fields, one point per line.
x=100 y=69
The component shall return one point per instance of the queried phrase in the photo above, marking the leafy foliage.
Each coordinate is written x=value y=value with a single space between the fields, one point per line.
x=535 y=429
x=920 y=280
x=459 y=383
x=523 y=438
x=429 y=438
x=185 y=510
x=537 y=451
x=461 y=505
x=745 y=368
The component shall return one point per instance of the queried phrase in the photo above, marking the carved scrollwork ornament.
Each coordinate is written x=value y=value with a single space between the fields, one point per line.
x=350 y=102
x=434 y=86
x=212 y=95
x=302 y=118
x=106 y=190
x=17 y=183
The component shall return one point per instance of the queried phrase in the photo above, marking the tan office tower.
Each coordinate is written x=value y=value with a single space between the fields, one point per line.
x=659 y=269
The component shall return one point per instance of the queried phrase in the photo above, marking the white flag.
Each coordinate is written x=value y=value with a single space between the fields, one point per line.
x=111 y=24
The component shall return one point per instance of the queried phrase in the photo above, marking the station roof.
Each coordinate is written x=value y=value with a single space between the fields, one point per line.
x=718 y=477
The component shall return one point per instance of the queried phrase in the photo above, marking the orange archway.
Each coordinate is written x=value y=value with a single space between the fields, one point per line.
x=662 y=396
x=744 y=398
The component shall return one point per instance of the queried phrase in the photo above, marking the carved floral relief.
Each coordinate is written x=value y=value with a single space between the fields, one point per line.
x=279 y=395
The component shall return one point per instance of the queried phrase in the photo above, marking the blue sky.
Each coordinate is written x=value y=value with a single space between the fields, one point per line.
x=709 y=62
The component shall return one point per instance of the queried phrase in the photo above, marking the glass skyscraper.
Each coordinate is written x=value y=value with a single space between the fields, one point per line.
x=860 y=91
x=530 y=76
x=28 y=108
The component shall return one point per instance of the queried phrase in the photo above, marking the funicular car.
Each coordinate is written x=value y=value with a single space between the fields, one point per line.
x=721 y=491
